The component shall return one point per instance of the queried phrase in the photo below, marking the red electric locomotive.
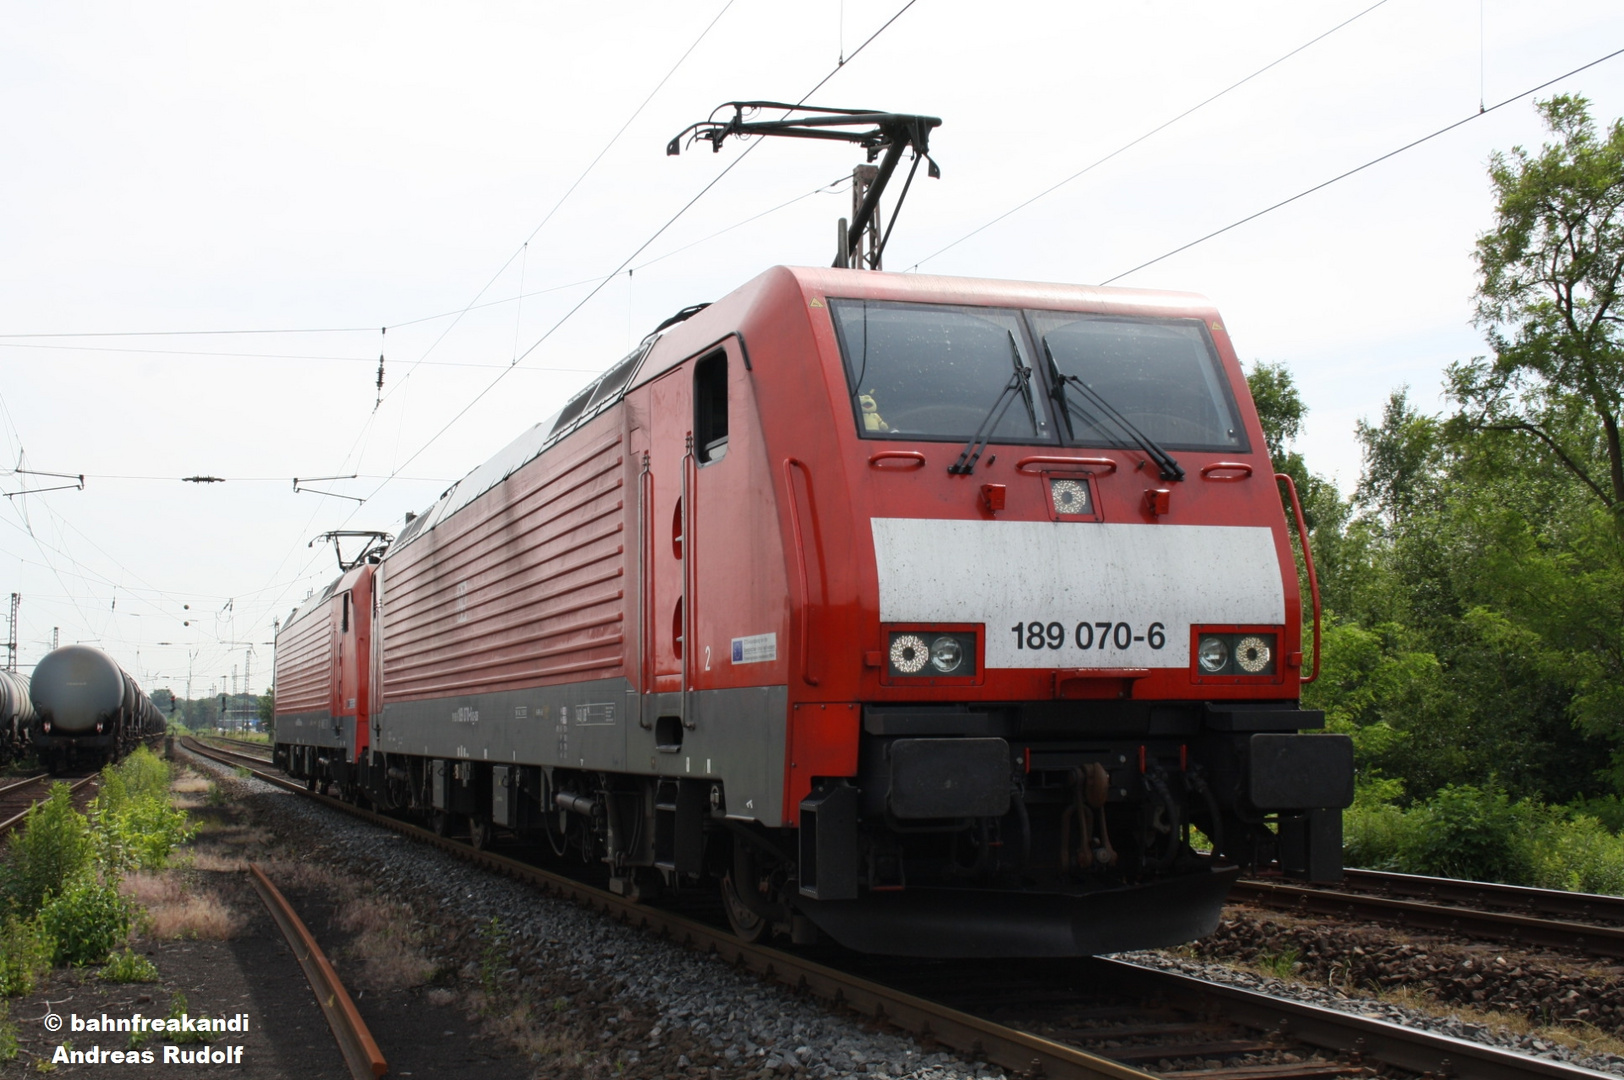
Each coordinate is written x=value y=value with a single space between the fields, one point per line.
x=930 y=613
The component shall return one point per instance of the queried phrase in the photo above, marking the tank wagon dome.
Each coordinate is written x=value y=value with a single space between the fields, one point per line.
x=76 y=686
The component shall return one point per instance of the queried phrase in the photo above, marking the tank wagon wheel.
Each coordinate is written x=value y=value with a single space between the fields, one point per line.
x=479 y=832
x=746 y=924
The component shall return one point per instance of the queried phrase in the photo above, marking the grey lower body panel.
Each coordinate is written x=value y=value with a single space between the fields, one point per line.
x=957 y=923
x=737 y=737
x=314 y=729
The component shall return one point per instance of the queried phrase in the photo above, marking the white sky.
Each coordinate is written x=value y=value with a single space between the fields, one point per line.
x=204 y=166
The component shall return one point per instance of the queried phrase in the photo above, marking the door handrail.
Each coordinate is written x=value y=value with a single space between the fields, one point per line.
x=1308 y=561
x=790 y=465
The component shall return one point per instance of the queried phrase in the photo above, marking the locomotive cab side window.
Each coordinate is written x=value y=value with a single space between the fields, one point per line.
x=710 y=408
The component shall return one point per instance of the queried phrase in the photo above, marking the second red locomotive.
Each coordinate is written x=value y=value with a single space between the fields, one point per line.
x=929 y=613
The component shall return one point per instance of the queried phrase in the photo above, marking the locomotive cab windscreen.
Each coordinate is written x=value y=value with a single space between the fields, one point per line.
x=932 y=372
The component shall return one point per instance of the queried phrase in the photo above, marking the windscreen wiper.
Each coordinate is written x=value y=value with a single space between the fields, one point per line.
x=1020 y=382
x=1169 y=466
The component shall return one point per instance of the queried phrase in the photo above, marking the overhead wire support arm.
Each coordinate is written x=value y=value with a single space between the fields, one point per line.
x=876 y=132
x=318 y=479
x=77 y=485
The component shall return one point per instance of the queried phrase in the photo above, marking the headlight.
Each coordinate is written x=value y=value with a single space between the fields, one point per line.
x=1213 y=654
x=1070 y=497
x=946 y=654
x=1235 y=653
x=1253 y=655
x=928 y=653
x=908 y=653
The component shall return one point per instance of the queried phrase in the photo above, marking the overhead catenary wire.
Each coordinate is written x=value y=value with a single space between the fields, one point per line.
x=1163 y=126
x=1361 y=168
x=523 y=248
x=643 y=246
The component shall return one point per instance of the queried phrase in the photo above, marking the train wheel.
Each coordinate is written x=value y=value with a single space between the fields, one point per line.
x=479 y=832
x=749 y=926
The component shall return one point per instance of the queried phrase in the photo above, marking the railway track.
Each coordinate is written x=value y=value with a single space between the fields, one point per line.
x=362 y=1056
x=247 y=744
x=1086 y=1020
x=1531 y=917
x=17 y=797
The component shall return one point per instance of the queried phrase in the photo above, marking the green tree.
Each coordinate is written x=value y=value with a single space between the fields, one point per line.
x=1548 y=302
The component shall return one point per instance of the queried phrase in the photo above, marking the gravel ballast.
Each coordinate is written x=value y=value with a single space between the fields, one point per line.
x=663 y=1010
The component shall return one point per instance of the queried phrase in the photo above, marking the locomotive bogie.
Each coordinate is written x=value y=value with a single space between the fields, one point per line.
x=834 y=596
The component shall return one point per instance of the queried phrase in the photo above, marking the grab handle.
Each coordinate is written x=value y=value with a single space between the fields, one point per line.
x=1308 y=561
x=909 y=459
x=790 y=465
x=1066 y=463
x=1239 y=467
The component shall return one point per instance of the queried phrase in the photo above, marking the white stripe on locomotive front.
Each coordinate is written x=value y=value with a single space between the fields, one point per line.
x=1002 y=572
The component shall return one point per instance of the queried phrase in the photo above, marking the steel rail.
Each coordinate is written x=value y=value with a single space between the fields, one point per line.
x=15 y=784
x=1355 y=1037
x=1497 y=925
x=239 y=742
x=1019 y=1051
x=361 y=1054
x=1555 y=902
x=16 y=819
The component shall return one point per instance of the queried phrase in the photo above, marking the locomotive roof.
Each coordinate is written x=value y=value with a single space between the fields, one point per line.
x=669 y=345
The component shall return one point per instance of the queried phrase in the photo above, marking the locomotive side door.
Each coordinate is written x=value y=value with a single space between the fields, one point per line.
x=343 y=659
x=666 y=538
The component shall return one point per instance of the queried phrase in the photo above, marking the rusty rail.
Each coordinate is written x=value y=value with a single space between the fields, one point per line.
x=360 y=1050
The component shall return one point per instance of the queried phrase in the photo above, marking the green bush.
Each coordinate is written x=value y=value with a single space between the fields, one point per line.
x=1577 y=854
x=86 y=921
x=129 y=967
x=51 y=848
x=25 y=955
x=1607 y=809
x=1465 y=832
x=135 y=824
x=1373 y=827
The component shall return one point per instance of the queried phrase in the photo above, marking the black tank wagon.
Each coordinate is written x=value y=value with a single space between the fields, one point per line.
x=88 y=710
